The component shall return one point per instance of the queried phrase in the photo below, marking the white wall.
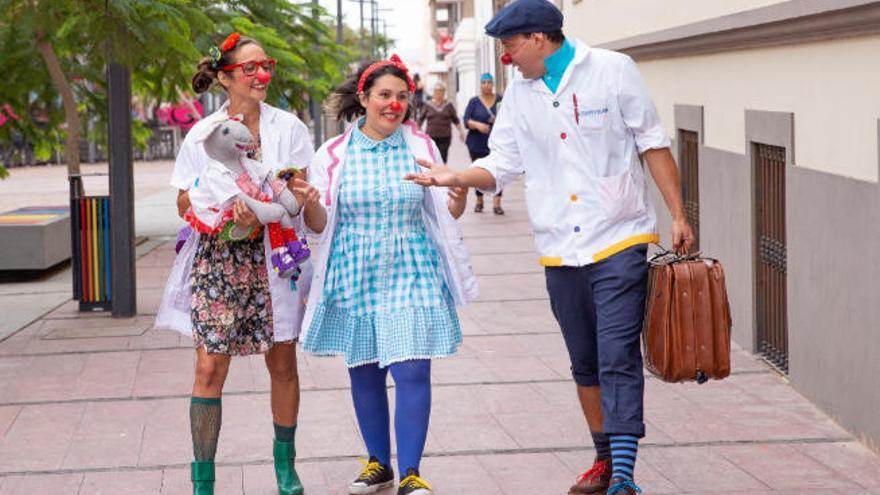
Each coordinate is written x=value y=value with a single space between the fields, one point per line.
x=602 y=21
x=833 y=88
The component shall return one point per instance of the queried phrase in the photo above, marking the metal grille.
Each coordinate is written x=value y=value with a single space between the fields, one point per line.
x=688 y=160
x=770 y=254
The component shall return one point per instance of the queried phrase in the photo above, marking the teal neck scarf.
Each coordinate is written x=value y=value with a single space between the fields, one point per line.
x=556 y=64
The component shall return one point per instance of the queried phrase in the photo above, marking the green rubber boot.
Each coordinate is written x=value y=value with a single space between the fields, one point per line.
x=202 y=477
x=285 y=473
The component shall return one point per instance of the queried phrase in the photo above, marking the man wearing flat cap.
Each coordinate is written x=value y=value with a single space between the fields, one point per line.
x=579 y=123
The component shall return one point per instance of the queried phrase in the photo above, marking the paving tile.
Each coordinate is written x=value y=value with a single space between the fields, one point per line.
x=523 y=368
x=558 y=429
x=493 y=346
x=176 y=481
x=511 y=316
x=247 y=424
x=47 y=378
x=515 y=398
x=128 y=482
x=450 y=401
x=11 y=368
x=523 y=244
x=107 y=375
x=165 y=372
x=260 y=479
x=109 y=435
x=148 y=301
x=328 y=372
x=7 y=417
x=742 y=361
x=326 y=405
x=56 y=484
x=338 y=474
x=700 y=470
x=463 y=475
x=40 y=437
x=512 y=287
x=167 y=438
x=58 y=346
x=516 y=473
x=152 y=277
x=460 y=370
x=783 y=467
x=95 y=327
x=241 y=375
x=769 y=387
x=505 y=263
x=478 y=431
x=560 y=365
x=851 y=460
x=154 y=339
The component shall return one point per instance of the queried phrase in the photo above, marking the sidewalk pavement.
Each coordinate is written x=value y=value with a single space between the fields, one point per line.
x=95 y=405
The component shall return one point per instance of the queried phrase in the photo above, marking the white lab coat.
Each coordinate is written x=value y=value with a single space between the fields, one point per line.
x=579 y=148
x=457 y=271
x=285 y=143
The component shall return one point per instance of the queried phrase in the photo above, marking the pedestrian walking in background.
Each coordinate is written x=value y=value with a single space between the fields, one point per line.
x=577 y=122
x=438 y=115
x=418 y=97
x=479 y=116
x=390 y=269
x=220 y=291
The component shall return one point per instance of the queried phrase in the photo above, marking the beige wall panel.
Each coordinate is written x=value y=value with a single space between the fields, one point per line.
x=831 y=87
x=602 y=21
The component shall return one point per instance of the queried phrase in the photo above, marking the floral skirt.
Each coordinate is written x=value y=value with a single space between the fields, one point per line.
x=231 y=307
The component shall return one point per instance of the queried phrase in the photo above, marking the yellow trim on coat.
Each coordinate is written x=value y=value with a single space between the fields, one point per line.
x=624 y=244
x=550 y=261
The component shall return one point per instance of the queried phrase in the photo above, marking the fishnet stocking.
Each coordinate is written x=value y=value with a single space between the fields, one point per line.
x=204 y=419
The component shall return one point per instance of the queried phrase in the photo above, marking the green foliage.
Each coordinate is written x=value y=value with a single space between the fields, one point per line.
x=162 y=41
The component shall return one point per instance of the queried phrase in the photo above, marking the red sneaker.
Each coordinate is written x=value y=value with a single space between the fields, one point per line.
x=594 y=480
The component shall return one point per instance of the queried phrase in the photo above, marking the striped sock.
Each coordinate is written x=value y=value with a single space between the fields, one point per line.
x=603 y=446
x=624 y=449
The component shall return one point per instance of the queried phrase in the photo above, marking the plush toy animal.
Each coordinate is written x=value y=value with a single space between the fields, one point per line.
x=229 y=179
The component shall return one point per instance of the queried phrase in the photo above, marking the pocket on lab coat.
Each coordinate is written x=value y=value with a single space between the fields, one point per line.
x=621 y=196
x=592 y=115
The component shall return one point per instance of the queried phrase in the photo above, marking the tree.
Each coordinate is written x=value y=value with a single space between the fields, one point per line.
x=55 y=54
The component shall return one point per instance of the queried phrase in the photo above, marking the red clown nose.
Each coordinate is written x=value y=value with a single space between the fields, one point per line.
x=506 y=59
x=264 y=77
x=395 y=106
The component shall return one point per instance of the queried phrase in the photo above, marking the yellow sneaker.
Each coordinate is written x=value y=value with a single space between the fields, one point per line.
x=413 y=484
x=374 y=477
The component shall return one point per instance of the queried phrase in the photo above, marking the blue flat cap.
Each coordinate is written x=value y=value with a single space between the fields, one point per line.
x=525 y=16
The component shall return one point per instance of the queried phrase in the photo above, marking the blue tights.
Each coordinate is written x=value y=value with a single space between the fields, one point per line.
x=412 y=380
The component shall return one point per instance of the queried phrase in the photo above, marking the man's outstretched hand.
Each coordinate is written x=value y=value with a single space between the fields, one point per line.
x=433 y=174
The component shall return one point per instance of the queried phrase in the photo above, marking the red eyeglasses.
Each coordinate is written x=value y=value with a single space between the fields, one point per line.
x=249 y=67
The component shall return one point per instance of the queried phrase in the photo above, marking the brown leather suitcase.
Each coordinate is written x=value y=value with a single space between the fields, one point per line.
x=686 y=333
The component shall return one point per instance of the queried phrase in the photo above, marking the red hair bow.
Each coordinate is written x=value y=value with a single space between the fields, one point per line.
x=230 y=42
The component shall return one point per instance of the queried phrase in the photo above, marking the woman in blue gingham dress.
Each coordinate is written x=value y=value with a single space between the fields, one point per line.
x=384 y=298
x=389 y=272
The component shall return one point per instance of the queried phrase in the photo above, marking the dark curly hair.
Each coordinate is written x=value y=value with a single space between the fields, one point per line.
x=206 y=74
x=346 y=103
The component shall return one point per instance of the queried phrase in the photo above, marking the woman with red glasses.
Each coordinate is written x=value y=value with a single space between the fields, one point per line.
x=236 y=305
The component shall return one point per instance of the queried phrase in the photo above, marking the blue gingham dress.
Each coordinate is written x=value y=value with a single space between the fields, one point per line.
x=384 y=297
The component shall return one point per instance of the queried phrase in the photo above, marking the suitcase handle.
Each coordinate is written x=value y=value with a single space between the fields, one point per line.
x=666 y=256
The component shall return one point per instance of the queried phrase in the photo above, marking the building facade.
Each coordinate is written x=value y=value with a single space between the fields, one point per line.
x=775 y=112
